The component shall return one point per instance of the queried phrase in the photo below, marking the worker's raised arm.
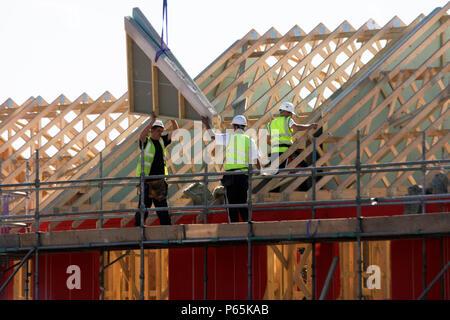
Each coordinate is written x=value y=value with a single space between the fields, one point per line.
x=258 y=165
x=208 y=127
x=255 y=154
x=302 y=127
x=174 y=127
x=145 y=132
x=267 y=126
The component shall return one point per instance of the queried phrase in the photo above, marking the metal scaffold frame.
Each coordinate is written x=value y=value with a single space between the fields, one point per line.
x=205 y=209
x=375 y=92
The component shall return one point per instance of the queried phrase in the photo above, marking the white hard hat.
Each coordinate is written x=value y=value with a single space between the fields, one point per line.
x=239 y=120
x=158 y=123
x=287 y=106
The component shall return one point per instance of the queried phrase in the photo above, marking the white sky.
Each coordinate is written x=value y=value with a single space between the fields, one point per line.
x=53 y=47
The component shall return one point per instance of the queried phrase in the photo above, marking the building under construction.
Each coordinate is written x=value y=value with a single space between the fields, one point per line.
x=360 y=212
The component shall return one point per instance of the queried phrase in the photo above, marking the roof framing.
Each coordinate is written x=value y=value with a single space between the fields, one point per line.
x=389 y=82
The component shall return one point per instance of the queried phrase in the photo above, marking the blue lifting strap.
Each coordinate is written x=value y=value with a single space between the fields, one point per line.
x=163 y=46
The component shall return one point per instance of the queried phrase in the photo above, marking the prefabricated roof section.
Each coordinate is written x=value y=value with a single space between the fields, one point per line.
x=162 y=86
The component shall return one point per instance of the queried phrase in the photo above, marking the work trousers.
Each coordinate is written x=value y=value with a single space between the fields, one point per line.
x=163 y=215
x=236 y=193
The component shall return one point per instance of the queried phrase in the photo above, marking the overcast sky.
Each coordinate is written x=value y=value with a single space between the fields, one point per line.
x=53 y=47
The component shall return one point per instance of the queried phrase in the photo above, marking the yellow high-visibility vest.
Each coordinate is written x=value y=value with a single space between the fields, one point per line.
x=237 y=152
x=149 y=155
x=280 y=134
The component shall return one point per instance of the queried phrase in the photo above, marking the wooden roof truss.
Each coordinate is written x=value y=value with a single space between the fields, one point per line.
x=390 y=83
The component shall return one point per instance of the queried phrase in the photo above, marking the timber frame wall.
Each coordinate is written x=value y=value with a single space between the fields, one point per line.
x=380 y=93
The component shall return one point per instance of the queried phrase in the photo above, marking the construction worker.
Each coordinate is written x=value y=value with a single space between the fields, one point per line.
x=281 y=130
x=240 y=151
x=154 y=145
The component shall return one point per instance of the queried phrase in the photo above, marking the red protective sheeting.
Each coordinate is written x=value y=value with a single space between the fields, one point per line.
x=69 y=276
x=325 y=252
x=407 y=268
x=227 y=266
x=75 y=275
x=227 y=273
x=8 y=292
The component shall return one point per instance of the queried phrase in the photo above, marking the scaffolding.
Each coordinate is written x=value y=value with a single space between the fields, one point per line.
x=378 y=94
x=206 y=209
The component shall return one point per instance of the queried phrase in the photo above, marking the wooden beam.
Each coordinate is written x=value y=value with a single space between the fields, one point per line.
x=241 y=58
x=263 y=56
x=155 y=84
x=181 y=105
x=414 y=225
x=420 y=117
x=127 y=133
x=374 y=112
x=60 y=134
x=394 y=32
x=227 y=55
x=129 y=45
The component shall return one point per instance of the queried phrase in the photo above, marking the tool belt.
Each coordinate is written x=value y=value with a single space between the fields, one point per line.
x=157 y=189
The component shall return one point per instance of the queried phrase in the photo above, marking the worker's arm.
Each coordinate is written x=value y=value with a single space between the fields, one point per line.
x=268 y=134
x=258 y=164
x=255 y=154
x=174 y=127
x=303 y=127
x=208 y=127
x=146 y=132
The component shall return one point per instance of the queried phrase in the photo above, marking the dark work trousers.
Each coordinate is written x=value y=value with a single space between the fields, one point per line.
x=237 y=193
x=281 y=165
x=164 y=218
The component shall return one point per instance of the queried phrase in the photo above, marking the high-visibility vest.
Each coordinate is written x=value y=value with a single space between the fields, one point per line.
x=237 y=152
x=280 y=134
x=149 y=155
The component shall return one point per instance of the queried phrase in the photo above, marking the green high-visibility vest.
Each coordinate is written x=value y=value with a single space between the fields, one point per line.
x=280 y=134
x=237 y=152
x=149 y=155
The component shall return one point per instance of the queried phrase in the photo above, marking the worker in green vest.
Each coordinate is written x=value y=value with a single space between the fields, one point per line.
x=154 y=144
x=281 y=130
x=240 y=151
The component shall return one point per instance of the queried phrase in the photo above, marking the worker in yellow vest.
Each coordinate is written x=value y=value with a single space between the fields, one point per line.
x=154 y=144
x=281 y=129
x=240 y=151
